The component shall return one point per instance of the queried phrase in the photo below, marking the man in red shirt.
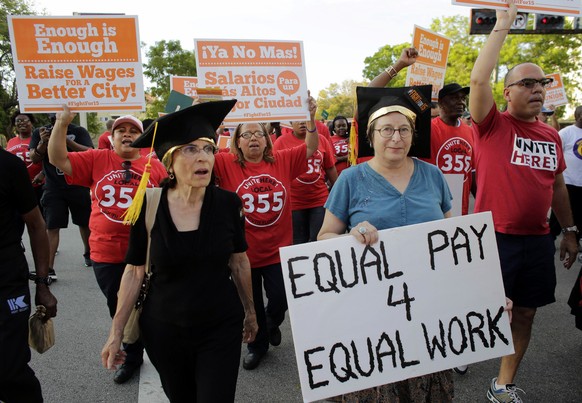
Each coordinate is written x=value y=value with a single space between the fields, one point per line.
x=519 y=164
x=451 y=140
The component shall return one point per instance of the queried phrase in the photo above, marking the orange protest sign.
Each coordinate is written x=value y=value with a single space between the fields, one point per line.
x=555 y=92
x=184 y=85
x=248 y=53
x=90 y=63
x=266 y=77
x=431 y=63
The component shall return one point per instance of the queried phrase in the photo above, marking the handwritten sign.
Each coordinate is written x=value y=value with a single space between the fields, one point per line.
x=90 y=63
x=424 y=298
x=555 y=7
x=555 y=92
x=266 y=77
x=431 y=63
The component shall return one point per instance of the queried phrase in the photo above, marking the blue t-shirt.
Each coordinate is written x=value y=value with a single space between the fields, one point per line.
x=362 y=194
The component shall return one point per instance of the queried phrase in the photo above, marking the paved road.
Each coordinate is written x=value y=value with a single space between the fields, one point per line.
x=71 y=371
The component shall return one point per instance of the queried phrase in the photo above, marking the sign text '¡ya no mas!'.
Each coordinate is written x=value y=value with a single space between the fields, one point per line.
x=47 y=42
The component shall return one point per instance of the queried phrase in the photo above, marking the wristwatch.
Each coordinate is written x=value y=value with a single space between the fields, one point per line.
x=573 y=228
x=42 y=280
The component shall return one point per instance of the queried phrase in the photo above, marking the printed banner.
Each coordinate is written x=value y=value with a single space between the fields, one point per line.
x=90 y=63
x=424 y=298
x=184 y=85
x=555 y=7
x=266 y=77
x=555 y=92
x=431 y=63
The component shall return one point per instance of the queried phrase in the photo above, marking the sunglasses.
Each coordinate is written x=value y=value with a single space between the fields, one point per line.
x=127 y=174
x=530 y=83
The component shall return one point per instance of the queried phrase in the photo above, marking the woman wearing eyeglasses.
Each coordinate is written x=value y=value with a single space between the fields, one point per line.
x=262 y=179
x=113 y=177
x=390 y=190
x=199 y=306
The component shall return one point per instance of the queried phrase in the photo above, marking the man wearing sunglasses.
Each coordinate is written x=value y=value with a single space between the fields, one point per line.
x=519 y=165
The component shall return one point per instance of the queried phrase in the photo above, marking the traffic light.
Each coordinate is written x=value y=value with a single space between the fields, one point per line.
x=482 y=21
x=547 y=22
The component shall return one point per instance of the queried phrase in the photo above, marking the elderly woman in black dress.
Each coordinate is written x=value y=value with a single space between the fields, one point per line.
x=199 y=306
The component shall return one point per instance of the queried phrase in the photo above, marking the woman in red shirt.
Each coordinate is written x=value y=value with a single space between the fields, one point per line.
x=262 y=179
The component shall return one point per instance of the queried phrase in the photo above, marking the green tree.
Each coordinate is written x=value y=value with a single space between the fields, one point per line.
x=8 y=92
x=338 y=99
x=554 y=53
x=386 y=56
x=165 y=59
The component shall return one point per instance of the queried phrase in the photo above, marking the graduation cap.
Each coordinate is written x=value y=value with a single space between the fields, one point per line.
x=184 y=126
x=413 y=102
x=195 y=122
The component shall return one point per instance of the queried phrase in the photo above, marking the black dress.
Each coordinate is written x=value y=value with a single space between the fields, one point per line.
x=192 y=319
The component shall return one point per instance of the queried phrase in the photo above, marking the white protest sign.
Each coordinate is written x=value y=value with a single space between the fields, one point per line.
x=90 y=63
x=455 y=182
x=555 y=7
x=266 y=77
x=555 y=92
x=431 y=64
x=425 y=298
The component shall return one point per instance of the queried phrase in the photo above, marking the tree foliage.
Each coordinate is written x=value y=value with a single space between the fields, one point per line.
x=553 y=53
x=338 y=99
x=8 y=94
x=165 y=59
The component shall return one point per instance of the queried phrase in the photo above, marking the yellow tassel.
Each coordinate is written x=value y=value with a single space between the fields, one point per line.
x=353 y=153
x=131 y=215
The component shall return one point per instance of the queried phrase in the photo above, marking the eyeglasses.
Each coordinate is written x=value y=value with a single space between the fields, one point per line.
x=192 y=150
x=248 y=135
x=388 y=132
x=18 y=121
x=530 y=83
x=127 y=174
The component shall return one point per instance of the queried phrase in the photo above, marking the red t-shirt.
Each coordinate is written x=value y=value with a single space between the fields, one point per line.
x=19 y=147
x=516 y=165
x=341 y=147
x=101 y=171
x=451 y=149
x=105 y=141
x=264 y=190
x=309 y=189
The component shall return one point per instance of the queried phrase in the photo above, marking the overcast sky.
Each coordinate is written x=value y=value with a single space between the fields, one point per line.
x=337 y=34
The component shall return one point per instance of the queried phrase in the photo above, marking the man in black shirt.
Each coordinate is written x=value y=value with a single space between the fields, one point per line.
x=59 y=197
x=18 y=207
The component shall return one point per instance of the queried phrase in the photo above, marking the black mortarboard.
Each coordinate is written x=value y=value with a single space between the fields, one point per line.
x=184 y=126
x=373 y=102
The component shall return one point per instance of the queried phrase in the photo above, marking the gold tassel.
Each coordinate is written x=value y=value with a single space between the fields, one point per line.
x=353 y=153
x=131 y=215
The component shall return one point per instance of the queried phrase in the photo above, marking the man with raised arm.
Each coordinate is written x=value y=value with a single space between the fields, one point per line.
x=519 y=164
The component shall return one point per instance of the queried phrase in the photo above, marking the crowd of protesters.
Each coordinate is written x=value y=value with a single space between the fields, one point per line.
x=313 y=193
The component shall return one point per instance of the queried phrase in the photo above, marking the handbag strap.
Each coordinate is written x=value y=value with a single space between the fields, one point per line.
x=153 y=196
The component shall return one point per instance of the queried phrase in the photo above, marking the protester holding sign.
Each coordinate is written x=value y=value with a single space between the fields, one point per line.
x=519 y=167
x=192 y=322
x=113 y=176
x=390 y=190
x=262 y=179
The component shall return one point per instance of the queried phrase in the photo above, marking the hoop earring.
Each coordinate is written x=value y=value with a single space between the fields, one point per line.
x=171 y=176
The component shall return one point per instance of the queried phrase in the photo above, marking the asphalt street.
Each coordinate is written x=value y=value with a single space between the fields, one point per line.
x=71 y=371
